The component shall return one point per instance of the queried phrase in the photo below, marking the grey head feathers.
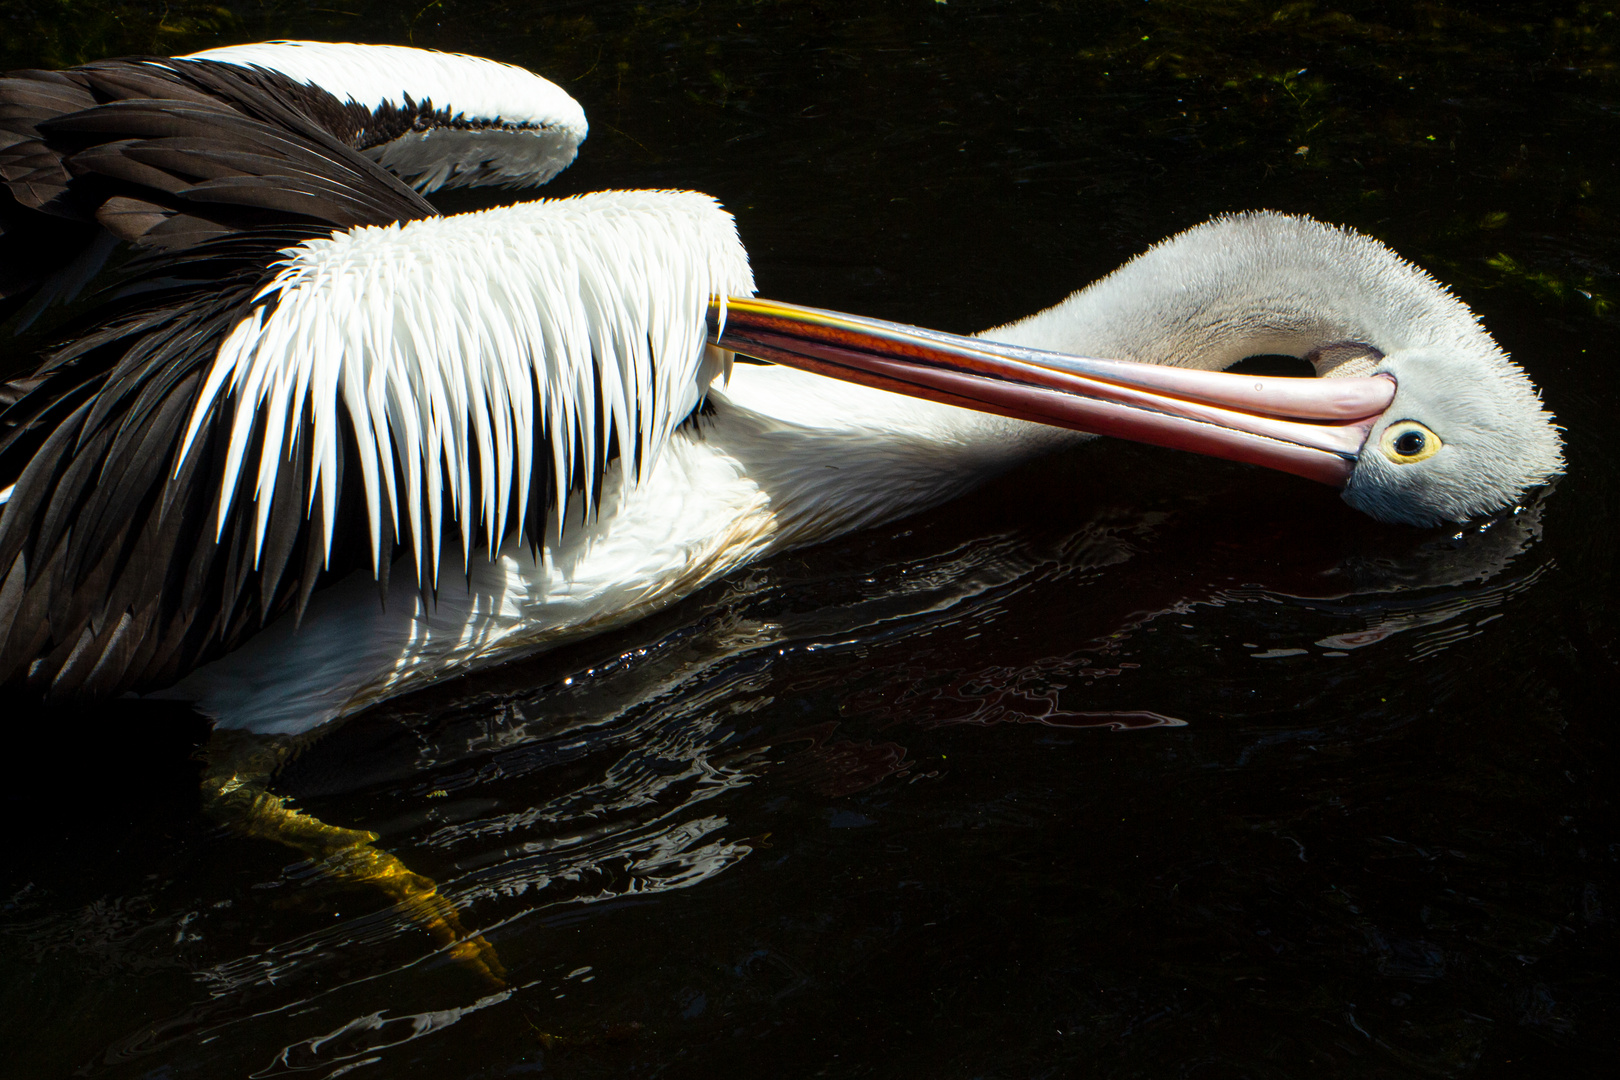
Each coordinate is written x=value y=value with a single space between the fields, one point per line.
x=1482 y=437
x=1247 y=284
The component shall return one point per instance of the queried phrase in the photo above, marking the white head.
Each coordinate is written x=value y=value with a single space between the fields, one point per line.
x=1465 y=435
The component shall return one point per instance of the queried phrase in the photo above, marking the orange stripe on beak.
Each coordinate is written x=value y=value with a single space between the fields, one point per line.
x=1309 y=427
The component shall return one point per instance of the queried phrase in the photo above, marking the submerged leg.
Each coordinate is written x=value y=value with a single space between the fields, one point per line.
x=237 y=768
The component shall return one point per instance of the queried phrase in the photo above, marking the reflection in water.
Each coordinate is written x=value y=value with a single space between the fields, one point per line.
x=358 y=1042
x=622 y=769
x=1466 y=567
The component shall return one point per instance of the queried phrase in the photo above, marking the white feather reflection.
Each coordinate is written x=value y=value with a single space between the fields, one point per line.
x=1390 y=599
x=358 y=1042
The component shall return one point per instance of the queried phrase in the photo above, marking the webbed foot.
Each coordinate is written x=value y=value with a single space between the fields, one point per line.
x=237 y=768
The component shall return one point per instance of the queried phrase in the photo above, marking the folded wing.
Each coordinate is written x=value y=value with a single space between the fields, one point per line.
x=306 y=368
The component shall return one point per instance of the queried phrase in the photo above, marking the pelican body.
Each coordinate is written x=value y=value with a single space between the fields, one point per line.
x=323 y=446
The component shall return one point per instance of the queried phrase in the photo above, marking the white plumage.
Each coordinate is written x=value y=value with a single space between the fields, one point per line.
x=439 y=337
x=507 y=126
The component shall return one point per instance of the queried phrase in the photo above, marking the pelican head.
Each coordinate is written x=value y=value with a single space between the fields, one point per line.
x=1417 y=414
x=1464 y=435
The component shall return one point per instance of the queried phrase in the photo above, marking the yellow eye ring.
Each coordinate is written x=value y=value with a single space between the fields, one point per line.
x=1406 y=442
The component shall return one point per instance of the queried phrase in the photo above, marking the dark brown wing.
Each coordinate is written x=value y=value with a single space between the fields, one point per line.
x=166 y=154
x=111 y=576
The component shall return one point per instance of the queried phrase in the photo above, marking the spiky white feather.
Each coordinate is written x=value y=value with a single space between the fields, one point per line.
x=436 y=337
x=524 y=129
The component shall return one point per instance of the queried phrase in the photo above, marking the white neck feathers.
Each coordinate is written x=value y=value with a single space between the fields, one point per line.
x=1250 y=284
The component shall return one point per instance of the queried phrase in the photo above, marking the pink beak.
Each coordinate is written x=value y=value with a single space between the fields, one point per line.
x=1313 y=428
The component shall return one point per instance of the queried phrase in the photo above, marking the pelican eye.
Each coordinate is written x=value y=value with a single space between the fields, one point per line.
x=1407 y=441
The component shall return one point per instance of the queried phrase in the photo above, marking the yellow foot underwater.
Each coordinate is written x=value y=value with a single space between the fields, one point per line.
x=237 y=769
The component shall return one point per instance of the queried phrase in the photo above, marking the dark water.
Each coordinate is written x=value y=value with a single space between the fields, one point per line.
x=1131 y=765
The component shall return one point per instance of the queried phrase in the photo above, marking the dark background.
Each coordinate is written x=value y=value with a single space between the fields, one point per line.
x=911 y=803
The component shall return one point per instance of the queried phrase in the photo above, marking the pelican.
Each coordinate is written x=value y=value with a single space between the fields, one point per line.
x=321 y=445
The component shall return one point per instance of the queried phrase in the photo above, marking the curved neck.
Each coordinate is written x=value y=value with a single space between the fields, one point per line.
x=1247 y=285
x=834 y=456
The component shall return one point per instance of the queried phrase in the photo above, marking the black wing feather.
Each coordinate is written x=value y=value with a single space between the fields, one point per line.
x=134 y=145
x=111 y=577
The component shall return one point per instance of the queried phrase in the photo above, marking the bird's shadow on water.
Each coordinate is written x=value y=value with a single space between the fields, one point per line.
x=657 y=758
